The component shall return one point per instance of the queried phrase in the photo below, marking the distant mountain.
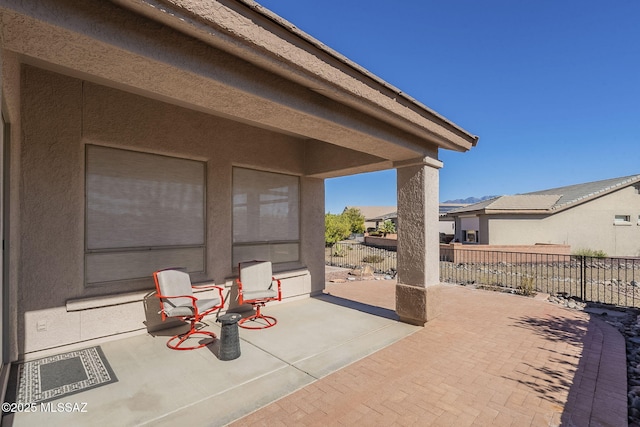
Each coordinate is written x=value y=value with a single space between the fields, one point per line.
x=470 y=200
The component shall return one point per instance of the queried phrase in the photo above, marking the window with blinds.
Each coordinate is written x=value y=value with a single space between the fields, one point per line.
x=144 y=212
x=266 y=216
x=622 y=220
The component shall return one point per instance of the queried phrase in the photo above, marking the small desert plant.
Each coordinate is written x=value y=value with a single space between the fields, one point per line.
x=371 y=259
x=527 y=286
x=590 y=253
x=387 y=227
x=338 y=250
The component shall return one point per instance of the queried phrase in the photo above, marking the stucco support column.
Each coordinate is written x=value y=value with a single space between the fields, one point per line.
x=418 y=287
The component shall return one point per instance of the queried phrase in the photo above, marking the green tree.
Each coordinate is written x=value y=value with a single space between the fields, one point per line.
x=387 y=227
x=355 y=219
x=336 y=228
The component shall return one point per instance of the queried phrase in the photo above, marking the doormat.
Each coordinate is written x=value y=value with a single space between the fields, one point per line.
x=61 y=375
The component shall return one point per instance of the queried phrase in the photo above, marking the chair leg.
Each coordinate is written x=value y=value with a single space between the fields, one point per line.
x=260 y=320
x=181 y=338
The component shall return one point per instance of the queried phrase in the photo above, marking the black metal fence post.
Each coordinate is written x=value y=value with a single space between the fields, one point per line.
x=583 y=277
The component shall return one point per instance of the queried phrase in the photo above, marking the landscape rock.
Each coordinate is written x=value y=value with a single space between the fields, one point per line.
x=362 y=271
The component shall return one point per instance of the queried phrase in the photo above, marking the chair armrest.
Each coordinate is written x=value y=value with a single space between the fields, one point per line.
x=177 y=296
x=199 y=287
x=161 y=297
x=218 y=288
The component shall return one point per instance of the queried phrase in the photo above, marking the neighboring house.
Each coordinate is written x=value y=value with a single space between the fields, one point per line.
x=374 y=216
x=196 y=134
x=447 y=225
x=447 y=207
x=602 y=215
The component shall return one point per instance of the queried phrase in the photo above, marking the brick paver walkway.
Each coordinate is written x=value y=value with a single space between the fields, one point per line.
x=490 y=359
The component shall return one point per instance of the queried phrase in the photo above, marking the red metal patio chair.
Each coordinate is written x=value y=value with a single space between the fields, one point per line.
x=256 y=287
x=175 y=292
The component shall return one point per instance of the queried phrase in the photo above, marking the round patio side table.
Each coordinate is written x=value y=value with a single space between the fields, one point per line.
x=229 y=336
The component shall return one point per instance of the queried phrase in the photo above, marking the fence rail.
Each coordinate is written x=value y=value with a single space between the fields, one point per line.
x=605 y=280
x=383 y=259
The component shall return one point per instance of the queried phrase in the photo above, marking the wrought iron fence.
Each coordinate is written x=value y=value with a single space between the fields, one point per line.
x=382 y=259
x=605 y=280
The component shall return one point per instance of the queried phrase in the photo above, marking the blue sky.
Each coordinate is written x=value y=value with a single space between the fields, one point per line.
x=552 y=87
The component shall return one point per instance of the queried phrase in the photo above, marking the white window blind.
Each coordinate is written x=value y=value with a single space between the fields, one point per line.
x=266 y=218
x=141 y=202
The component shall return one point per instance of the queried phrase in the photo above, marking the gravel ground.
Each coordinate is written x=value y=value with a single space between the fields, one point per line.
x=336 y=274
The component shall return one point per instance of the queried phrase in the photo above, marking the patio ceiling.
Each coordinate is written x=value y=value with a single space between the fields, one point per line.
x=237 y=60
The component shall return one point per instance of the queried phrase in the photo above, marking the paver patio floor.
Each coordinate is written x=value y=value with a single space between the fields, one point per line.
x=490 y=359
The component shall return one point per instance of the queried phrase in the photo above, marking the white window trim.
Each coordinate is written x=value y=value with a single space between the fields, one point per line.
x=622 y=222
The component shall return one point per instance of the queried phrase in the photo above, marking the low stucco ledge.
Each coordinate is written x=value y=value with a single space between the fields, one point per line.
x=119 y=299
x=417 y=305
x=105 y=301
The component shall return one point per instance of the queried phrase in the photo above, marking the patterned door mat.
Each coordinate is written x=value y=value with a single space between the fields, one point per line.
x=61 y=375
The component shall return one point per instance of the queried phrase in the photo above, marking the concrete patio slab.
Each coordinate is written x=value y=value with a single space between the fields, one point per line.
x=160 y=386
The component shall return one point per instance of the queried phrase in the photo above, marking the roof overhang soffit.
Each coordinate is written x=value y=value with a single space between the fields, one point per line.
x=247 y=30
x=107 y=45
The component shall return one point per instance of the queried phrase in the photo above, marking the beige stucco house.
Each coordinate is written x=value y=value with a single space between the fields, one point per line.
x=602 y=215
x=144 y=134
x=375 y=215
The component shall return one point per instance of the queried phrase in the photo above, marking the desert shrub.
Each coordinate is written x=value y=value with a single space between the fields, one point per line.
x=338 y=250
x=387 y=227
x=527 y=286
x=372 y=259
x=590 y=253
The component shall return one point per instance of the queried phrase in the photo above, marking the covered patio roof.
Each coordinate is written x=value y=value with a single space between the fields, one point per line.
x=206 y=55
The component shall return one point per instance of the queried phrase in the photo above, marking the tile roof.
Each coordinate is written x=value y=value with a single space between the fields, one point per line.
x=524 y=201
x=551 y=200
x=575 y=193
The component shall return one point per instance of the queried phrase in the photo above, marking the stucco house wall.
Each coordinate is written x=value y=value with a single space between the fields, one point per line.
x=62 y=115
x=523 y=229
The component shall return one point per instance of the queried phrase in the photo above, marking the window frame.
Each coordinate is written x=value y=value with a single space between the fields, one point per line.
x=265 y=249
x=185 y=252
x=622 y=220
